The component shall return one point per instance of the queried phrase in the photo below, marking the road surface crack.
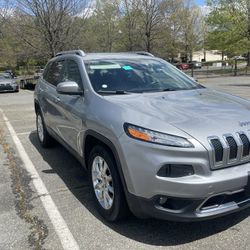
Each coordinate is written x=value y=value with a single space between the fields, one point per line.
x=23 y=196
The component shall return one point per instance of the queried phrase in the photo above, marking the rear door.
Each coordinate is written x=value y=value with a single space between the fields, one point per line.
x=54 y=75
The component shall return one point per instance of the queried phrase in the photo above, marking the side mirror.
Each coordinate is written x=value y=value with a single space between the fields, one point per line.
x=69 y=88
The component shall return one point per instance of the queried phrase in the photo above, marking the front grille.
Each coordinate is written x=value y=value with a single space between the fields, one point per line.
x=233 y=147
x=218 y=149
x=246 y=145
x=5 y=87
x=230 y=149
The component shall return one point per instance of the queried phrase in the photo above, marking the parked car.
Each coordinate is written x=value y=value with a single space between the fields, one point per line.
x=182 y=66
x=7 y=83
x=152 y=139
x=195 y=65
x=10 y=72
x=239 y=58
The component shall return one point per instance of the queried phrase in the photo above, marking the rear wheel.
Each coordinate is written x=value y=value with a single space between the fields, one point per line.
x=105 y=184
x=44 y=138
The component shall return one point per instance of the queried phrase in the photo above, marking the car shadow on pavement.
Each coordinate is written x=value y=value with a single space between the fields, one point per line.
x=151 y=231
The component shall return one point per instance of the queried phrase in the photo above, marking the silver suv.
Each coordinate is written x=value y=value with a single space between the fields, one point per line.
x=153 y=140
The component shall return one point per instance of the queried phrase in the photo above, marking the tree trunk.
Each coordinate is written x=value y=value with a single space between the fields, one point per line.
x=222 y=55
x=205 y=55
x=148 y=42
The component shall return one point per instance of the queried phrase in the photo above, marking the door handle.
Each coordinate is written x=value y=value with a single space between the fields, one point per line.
x=57 y=99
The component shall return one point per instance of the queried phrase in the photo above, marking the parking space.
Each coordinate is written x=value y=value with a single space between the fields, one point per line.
x=67 y=185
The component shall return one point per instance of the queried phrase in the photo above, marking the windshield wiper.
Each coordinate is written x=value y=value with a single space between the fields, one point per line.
x=167 y=89
x=113 y=92
x=158 y=90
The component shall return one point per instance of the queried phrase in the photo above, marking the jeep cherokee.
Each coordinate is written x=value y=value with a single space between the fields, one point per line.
x=153 y=140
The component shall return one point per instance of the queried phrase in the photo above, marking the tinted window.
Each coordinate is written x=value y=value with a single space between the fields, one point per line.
x=138 y=75
x=45 y=73
x=73 y=73
x=55 y=73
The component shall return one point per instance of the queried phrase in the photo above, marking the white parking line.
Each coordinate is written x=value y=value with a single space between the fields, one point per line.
x=61 y=228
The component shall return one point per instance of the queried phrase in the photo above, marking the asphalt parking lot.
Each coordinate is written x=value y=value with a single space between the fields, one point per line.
x=26 y=224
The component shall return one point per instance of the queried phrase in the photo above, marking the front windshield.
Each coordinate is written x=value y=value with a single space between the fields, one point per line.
x=136 y=75
x=4 y=76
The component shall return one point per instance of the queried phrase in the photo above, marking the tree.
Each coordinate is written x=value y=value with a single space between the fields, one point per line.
x=4 y=15
x=53 y=21
x=106 y=23
x=191 y=28
x=129 y=24
x=229 y=21
x=152 y=16
x=38 y=29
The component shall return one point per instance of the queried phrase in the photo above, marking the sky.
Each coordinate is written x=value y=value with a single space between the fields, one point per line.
x=200 y=2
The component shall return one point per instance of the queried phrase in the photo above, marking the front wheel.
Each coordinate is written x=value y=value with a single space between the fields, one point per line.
x=105 y=184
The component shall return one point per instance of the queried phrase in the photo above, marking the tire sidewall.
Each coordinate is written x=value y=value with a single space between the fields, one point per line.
x=112 y=213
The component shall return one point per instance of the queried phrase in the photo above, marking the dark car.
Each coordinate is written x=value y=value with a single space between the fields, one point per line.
x=195 y=65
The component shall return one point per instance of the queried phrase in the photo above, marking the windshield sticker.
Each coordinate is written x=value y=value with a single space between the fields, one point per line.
x=105 y=66
x=127 y=67
x=104 y=86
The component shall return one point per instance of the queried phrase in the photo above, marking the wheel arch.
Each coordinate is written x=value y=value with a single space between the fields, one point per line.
x=93 y=138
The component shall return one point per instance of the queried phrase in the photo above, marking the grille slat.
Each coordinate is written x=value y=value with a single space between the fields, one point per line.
x=218 y=149
x=246 y=145
x=237 y=149
x=233 y=147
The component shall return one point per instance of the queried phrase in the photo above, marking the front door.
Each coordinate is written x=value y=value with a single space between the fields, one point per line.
x=72 y=110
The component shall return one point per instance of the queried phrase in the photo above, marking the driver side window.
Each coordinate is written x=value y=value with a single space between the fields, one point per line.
x=56 y=73
x=73 y=73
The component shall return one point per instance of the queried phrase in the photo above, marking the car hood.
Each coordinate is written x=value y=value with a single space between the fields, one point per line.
x=199 y=113
x=7 y=81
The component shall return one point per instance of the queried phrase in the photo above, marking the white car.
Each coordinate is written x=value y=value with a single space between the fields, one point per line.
x=7 y=83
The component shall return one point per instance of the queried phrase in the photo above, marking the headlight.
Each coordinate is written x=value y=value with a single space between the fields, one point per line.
x=151 y=136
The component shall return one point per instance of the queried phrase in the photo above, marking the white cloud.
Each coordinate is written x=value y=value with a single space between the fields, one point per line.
x=205 y=10
x=86 y=12
x=6 y=12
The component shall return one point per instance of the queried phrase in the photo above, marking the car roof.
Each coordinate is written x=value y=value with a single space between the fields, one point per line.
x=106 y=55
x=125 y=55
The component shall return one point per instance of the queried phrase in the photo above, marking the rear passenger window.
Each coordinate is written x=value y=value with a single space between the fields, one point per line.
x=73 y=73
x=55 y=73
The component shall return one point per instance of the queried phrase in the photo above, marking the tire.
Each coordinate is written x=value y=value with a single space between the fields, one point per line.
x=43 y=136
x=107 y=183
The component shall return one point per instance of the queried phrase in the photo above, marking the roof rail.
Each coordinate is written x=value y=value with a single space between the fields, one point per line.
x=68 y=52
x=143 y=53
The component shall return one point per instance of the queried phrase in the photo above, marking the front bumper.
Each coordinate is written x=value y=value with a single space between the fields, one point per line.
x=204 y=195
x=187 y=210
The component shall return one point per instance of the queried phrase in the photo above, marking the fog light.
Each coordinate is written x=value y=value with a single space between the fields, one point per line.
x=175 y=170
